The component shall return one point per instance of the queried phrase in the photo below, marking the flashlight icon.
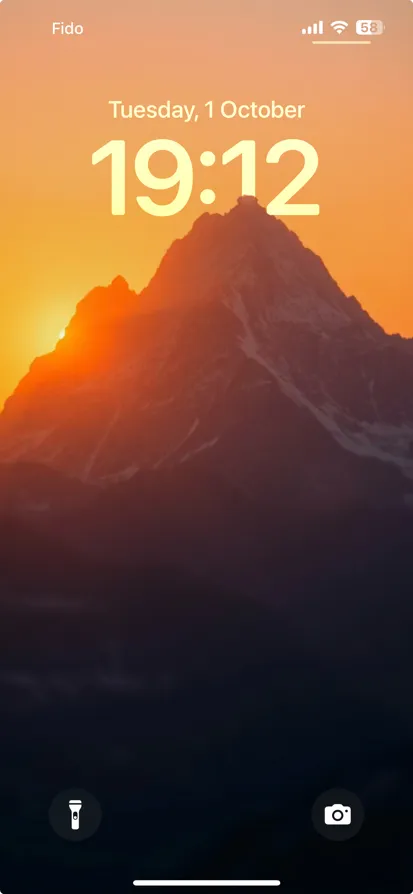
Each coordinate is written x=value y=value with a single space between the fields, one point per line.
x=75 y=808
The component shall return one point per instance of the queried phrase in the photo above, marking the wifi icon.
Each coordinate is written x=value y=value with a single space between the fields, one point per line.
x=339 y=27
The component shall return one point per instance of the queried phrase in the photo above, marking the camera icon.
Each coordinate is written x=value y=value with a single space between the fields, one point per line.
x=337 y=815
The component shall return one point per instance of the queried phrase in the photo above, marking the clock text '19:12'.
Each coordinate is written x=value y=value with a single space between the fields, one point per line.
x=183 y=176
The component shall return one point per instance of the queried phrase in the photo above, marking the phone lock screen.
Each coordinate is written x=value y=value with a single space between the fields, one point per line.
x=206 y=445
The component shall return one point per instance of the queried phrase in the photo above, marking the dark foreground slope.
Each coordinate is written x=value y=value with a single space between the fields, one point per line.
x=205 y=720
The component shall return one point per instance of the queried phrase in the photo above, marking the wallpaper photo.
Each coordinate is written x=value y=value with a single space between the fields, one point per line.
x=206 y=445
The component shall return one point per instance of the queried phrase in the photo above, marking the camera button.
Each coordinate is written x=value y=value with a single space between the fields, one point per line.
x=338 y=814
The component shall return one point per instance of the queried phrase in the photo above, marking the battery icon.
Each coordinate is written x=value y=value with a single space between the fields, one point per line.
x=369 y=26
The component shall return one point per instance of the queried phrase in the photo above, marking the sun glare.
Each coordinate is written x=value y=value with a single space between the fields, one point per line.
x=62 y=334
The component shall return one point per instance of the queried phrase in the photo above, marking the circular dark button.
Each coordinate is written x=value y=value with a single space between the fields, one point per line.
x=338 y=814
x=75 y=814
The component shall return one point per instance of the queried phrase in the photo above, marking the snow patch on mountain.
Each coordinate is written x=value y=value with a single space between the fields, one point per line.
x=123 y=475
x=100 y=444
x=29 y=442
x=204 y=446
x=177 y=446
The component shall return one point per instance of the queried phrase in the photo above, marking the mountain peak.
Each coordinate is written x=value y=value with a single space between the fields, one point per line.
x=119 y=284
x=248 y=202
x=250 y=249
x=103 y=305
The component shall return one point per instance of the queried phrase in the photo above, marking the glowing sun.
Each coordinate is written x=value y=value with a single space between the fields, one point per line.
x=62 y=334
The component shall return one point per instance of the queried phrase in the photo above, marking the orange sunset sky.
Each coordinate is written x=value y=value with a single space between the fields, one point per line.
x=58 y=237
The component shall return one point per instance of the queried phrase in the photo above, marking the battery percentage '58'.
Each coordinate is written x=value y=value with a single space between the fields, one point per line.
x=370 y=26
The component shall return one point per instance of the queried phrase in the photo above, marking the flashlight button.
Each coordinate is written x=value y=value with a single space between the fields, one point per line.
x=75 y=814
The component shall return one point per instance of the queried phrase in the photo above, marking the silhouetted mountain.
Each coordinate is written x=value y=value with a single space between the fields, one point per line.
x=242 y=354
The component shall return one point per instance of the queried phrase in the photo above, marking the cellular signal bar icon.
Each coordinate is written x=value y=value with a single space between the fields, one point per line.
x=317 y=28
